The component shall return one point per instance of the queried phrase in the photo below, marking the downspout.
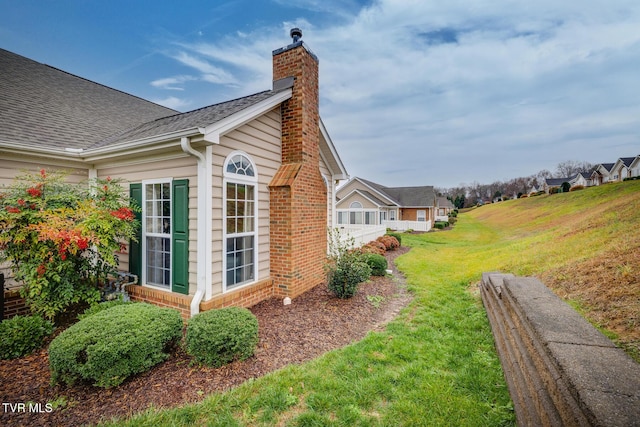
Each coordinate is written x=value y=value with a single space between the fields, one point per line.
x=201 y=268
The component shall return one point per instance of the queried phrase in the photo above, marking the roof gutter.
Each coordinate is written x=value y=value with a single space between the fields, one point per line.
x=204 y=248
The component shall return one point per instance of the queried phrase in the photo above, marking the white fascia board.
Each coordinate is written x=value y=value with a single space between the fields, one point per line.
x=143 y=144
x=356 y=191
x=213 y=132
x=48 y=152
x=341 y=173
x=382 y=195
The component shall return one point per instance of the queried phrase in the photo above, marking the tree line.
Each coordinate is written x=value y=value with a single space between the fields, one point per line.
x=466 y=195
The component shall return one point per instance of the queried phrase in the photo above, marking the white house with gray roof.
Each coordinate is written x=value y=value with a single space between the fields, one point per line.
x=365 y=203
x=211 y=173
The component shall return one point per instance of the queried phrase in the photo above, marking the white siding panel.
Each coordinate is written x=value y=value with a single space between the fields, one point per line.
x=176 y=166
x=261 y=140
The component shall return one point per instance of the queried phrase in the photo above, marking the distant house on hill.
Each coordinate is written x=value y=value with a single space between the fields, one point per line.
x=622 y=168
x=578 y=179
x=601 y=174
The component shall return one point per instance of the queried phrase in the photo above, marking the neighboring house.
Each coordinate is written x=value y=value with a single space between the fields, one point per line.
x=635 y=167
x=362 y=202
x=601 y=173
x=443 y=209
x=236 y=197
x=583 y=179
x=622 y=168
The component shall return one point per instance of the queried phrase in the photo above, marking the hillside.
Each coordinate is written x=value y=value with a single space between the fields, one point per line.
x=585 y=245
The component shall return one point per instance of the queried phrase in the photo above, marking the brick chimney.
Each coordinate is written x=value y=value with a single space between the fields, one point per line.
x=298 y=194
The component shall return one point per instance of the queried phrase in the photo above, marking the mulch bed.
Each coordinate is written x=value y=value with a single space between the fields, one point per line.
x=315 y=322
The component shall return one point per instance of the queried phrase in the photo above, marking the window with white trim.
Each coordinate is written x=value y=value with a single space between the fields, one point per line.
x=240 y=219
x=422 y=215
x=157 y=233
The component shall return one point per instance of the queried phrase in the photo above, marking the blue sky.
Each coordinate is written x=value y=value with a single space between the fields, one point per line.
x=412 y=92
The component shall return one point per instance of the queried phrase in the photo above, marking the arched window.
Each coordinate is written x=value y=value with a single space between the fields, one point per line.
x=355 y=205
x=239 y=164
x=240 y=220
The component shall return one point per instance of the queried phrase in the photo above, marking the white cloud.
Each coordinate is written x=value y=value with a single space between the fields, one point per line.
x=172 y=83
x=459 y=90
x=173 y=102
x=210 y=72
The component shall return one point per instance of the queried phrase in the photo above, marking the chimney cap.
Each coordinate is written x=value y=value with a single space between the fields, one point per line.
x=296 y=34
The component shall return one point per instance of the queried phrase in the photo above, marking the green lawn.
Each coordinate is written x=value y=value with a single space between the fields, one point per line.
x=435 y=364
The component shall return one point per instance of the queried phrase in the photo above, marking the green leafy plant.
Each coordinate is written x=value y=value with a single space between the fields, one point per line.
x=60 y=239
x=375 y=300
x=377 y=263
x=22 y=334
x=345 y=267
x=108 y=347
x=218 y=337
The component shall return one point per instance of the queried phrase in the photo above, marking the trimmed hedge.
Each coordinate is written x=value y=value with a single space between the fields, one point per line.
x=97 y=308
x=441 y=225
x=377 y=263
x=218 y=337
x=21 y=335
x=108 y=347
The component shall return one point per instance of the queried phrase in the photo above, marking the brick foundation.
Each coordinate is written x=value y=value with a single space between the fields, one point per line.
x=14 y=304
x=180 y=302
x=245 y=297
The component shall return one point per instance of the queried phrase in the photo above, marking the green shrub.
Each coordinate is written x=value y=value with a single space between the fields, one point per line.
x=345 y=267
x=377 y=263
x=441 y=224
x=218 y=337
x=107 y=347
x=347 y=273
x=22 y=334
x=97 y=308
x=398 y=237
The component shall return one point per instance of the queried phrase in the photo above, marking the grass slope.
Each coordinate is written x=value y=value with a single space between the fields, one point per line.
x=585 y=245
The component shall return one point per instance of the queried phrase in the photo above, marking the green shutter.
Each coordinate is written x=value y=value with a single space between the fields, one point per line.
x=180 y=236
x=135 y=248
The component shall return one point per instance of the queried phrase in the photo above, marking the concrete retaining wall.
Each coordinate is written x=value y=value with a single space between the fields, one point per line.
x=560 y=370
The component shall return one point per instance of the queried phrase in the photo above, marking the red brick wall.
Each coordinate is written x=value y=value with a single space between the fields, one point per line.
x=14 y=304
x=180 y=302
x=298 y=205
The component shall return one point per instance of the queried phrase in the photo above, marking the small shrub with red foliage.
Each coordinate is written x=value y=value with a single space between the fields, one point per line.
x=374 y=247
x=389 y=242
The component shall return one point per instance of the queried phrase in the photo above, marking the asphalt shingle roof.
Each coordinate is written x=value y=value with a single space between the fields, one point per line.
x=46 y=107
x=193 y=119
x=406 y=196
